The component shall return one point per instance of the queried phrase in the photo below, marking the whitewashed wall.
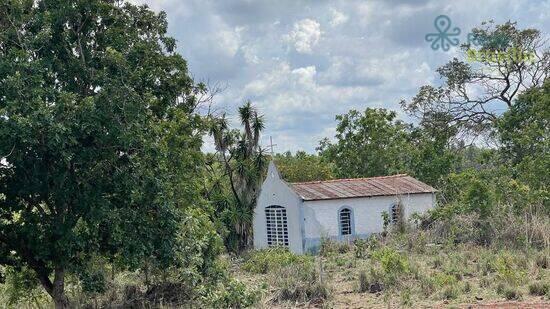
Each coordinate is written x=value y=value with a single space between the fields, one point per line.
x=276 y=192
x=321 y=217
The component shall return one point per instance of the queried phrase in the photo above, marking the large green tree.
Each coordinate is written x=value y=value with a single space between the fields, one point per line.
x=303 y=167
x=373 y=143
x=376 y=143
x=524 y=132
x=98 y=137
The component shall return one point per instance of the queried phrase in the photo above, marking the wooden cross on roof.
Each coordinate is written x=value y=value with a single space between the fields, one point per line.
x=271 y=145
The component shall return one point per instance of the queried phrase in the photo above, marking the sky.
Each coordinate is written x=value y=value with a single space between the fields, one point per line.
x=301 y=63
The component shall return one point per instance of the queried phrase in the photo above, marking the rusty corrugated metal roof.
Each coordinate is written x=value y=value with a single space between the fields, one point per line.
x=360 y=187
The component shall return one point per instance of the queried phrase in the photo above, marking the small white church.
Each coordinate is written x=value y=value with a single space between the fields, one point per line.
x=299 y=215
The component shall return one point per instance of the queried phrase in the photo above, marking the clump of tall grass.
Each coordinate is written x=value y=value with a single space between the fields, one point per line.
x=299 y=283
x=539 y=288
x=273 y=259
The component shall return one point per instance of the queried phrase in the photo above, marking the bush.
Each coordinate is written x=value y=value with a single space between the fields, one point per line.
x=449 y=283
x=508 y=271
x=451 y=292
x=330 y=247
x=20 y=286
x=391 y=260
x=233 y=294
x=360 y=248
x=267 y=260
x=542 y=261
x=512 y=293
x=539 y=288
x=363 y=282
x=299 y=283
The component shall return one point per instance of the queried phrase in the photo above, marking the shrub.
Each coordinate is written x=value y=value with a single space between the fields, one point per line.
x=233 y=294
x=441 y=279
x=448 y=282
x=393 y=264
x=360 y=248
x=264 y=261
x=340 y=262
x=512 y=293
x=20 y=286
x=542 y=261
x=484 y=282
x=486 y=263
x=391 y=260
x=451 y=292
x=299 y=283
x=508 y=271
x=539 y=288
x=467 y=287
x=328 y=247
x=427 y=286
x=417 y=241
x=343 y=247
x=363 y=282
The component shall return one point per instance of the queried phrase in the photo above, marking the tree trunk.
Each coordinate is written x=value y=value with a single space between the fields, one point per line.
x=58 y=290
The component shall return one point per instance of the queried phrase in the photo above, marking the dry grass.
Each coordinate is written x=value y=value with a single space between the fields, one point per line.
x=402 y=275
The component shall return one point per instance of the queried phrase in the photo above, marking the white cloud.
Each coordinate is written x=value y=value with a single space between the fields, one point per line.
x=337 y=18
x=227 y=41
x=353 y=54
x=305 y=34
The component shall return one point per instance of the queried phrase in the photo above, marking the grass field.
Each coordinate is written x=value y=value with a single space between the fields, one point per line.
x=375 y=274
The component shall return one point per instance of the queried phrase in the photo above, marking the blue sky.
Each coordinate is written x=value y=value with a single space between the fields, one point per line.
x=303 y=62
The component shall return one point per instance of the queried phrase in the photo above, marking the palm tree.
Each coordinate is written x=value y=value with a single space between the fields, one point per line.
x=244 y=163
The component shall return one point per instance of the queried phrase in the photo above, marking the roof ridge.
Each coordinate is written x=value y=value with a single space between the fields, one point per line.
x=349 y=179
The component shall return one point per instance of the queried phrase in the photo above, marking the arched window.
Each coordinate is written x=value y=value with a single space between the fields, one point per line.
x=395 y=213
x=277 y=228
x=345 y=221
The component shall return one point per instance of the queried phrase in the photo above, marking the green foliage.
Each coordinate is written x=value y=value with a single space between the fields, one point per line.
x=302 y=167
x=360 y=247
x=524 y=131
x=237 y=169
x=375 y=143
x=393 y=263
x=372 y=143
x=101 y=141
x=233 y=294
x=272 y=260
x=330 y=247
x=508 y=271
x=21 y=285
x=406 y=300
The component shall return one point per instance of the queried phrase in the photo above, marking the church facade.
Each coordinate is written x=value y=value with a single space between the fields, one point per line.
x=299 y=215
